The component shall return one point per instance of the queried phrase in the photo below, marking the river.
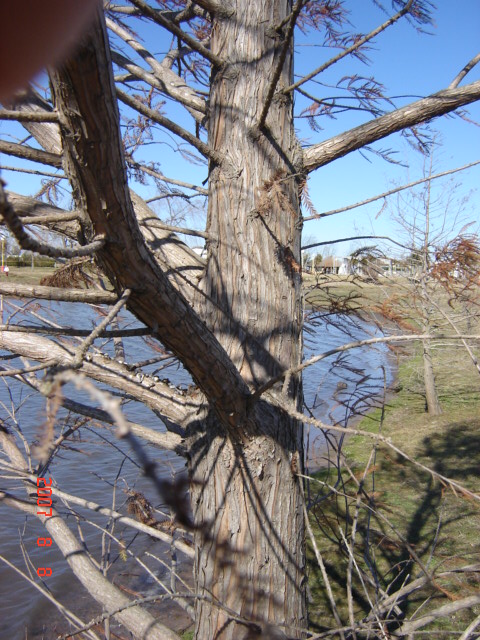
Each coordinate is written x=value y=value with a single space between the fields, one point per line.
x=98 y=471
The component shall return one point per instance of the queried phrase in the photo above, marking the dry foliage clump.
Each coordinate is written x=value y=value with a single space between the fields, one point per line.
x=70 y=275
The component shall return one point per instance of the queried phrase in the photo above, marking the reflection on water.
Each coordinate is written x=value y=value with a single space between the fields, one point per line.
x=94 y=469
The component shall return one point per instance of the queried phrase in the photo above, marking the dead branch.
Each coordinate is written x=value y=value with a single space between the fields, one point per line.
x=54 y=293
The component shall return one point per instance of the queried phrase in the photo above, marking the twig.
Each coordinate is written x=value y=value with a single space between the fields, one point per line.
x=354 y=345
x=87 y=343
x=156 y=174
x=60 y=176
x=359 y=43
x=148 y=11
x=321 y=244
x=466 y=69
x=385 y=194
x=321 y=564
x=47 y=594
x=20 y=372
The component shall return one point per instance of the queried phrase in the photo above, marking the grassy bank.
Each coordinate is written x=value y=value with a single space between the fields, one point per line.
x=26 y=275
x=399 y=523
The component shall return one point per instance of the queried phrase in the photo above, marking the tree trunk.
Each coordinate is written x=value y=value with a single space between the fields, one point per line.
x=250 y=544
x=431 y=395
x=250 y=541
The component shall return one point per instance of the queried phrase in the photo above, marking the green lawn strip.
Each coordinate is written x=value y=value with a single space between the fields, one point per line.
x=441 y=528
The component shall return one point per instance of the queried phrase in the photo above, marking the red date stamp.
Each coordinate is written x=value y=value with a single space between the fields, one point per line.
x=44 y=502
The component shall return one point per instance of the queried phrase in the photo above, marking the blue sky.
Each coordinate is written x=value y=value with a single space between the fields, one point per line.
x=408 y=64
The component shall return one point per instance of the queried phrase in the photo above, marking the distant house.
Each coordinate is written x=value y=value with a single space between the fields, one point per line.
x=334 y=265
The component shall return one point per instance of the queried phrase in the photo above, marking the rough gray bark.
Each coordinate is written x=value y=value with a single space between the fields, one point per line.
x=248 y=501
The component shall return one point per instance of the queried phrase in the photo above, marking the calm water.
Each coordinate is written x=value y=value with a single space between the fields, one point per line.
x=93 y=469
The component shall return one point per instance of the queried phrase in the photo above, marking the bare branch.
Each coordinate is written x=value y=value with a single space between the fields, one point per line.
x=413 y=114
x=68 y=331
x=214 y=6
x=29 y=153
x=160 y=176
x=320 y=244
x=466 y=69
x=355 y=345
x=87 y=343
x=155 y=116
x=280 y=62
x=135 y=619
x=355 y=47
x=147 y=11
x=171 y=404
x=441 y=612
x=24 y=116
x=58 y=176
x=281 y=401
x=162 y=77
x=168 y=227
x=54 y=293
x=385 y=194
x=32 y=211
x=15 y=225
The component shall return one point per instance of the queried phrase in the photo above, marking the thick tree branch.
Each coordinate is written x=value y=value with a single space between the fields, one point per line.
x=24 y=116
x=54 y=293
x=29 y=153
x=85 y=98
x=45 y=133
x=355 y=47
x=162 y=77
x=171 y=404
x=32 y=211
x=413 y=114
